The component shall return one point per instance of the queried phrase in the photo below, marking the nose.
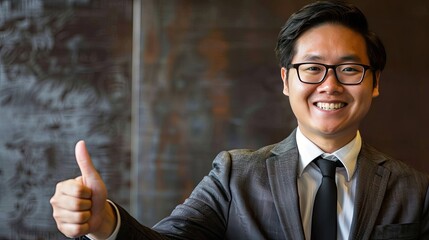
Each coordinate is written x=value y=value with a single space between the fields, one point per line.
x=330 y=84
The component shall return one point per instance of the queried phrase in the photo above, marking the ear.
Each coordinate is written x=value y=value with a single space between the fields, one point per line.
x=375 y=90
x=283 y=73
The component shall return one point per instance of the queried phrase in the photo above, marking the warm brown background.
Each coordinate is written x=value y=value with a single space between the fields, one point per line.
x=207 y=81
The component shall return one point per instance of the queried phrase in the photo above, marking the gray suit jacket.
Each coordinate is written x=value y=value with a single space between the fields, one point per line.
x=253 y=195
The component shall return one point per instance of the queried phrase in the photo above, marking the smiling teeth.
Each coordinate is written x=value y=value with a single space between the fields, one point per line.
x=330 y=106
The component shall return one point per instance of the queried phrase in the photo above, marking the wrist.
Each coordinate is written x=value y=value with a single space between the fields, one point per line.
x=107 y=225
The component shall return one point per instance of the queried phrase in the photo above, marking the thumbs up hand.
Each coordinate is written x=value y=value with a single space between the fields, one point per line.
x=79 y=205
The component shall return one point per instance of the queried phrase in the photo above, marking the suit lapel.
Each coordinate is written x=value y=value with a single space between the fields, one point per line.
x=370 y=190
x=282 y=173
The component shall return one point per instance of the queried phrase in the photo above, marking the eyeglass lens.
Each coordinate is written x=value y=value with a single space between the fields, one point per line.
x=345 y=73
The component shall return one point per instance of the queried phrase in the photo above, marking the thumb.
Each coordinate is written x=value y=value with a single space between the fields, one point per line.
x=89 y=173
x=92 y=179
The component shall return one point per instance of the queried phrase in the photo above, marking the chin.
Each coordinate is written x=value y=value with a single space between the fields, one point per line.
x=330 y=131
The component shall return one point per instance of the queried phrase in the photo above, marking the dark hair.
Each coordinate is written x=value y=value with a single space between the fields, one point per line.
x=321 y=12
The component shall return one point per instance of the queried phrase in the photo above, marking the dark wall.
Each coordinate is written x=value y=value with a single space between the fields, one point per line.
x=211 y=82
x=208 y=81
x=398 y=122
x=64 y=75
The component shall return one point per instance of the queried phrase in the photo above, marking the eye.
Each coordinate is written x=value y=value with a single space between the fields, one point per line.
x=350 y=69
x=312 y=68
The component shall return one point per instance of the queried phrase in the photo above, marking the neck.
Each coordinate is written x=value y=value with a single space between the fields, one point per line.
x=330 y=143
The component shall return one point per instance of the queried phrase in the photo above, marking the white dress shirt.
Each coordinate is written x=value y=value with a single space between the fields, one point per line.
x=310 y=178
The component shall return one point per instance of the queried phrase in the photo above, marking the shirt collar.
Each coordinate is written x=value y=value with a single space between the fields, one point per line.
x=308 y=151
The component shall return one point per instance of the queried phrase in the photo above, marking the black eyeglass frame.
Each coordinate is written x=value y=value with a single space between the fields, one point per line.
x=334 y=67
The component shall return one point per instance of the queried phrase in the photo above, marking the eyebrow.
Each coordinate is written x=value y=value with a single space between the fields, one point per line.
x=346 y=58
x=352 y=57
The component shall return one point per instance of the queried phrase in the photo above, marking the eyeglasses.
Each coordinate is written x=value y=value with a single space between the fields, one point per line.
x=346 y=73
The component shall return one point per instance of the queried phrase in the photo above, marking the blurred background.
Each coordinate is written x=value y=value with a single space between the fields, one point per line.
x=157 y=88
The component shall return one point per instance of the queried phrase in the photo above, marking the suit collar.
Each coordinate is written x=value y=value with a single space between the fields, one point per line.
x=347 y=154
x=372 y=183
x=286 y=145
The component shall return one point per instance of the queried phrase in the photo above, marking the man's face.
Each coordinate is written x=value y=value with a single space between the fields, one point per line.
x=329 y=128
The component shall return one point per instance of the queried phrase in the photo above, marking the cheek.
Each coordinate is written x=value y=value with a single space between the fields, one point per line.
x=301 y=90
x=299 y=95
x=364 y=101
x=296 y=90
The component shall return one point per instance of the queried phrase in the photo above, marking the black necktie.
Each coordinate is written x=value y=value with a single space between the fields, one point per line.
x=324 y=222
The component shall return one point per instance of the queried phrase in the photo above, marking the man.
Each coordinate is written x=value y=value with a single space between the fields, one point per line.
x=330 y=66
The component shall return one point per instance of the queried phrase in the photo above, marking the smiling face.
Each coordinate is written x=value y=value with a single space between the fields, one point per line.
x=329 y=113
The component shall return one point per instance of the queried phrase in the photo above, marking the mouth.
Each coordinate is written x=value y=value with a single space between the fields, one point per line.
x=330 y=106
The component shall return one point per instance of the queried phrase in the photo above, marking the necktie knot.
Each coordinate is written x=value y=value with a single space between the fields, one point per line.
x=327 y=167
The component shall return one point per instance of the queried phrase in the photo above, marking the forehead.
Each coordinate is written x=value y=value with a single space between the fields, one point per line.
x=331 y=43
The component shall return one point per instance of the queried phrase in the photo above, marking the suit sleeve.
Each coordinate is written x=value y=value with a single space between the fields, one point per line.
x=202 y=216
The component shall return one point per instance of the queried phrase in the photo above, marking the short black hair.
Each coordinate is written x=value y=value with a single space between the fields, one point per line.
x=320 y=12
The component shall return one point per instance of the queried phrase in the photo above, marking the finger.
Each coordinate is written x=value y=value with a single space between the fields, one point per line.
x=70 y=203
x=73 y=230
x=73 y=188
x=64 y=216
x=90 y=175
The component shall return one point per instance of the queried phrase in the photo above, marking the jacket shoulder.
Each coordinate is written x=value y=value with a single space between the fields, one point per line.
x=398 y=168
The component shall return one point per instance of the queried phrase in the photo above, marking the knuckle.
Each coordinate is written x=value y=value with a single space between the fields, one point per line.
x=59 y=186
x=53 y=201
x=55 y=215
